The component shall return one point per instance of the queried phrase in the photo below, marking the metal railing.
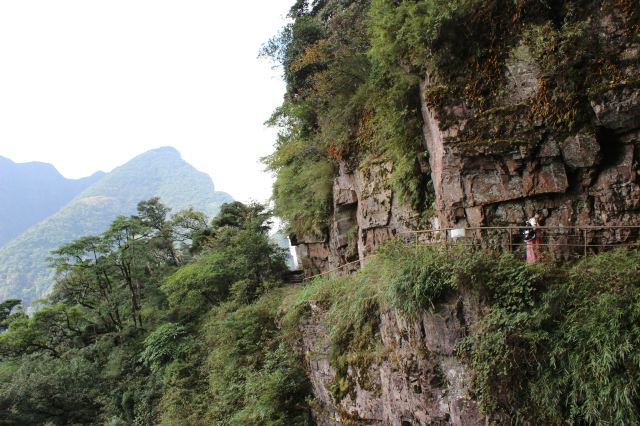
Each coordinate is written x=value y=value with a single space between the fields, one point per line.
x=343 y=269
x=554 y=242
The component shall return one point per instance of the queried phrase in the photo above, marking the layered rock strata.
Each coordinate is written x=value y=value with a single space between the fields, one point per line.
x=366 y=212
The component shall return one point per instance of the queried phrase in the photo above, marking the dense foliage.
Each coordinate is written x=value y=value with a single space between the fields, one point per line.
x=341 y=106
x=561 y=345
x=159 y=320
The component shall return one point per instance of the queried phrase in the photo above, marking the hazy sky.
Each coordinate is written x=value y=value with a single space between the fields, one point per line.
x=88 y=84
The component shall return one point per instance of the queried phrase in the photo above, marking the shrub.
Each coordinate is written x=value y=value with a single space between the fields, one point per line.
x=255 y=378
x=561 y=345
x=162 y=345
x=418 y=277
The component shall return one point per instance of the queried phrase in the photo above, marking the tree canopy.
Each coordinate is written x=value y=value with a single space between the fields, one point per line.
x=142 y=312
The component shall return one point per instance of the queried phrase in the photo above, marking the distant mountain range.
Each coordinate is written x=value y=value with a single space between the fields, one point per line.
x=29 y=192
x=56 y=210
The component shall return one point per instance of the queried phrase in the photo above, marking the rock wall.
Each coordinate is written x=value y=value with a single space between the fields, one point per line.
x=583 y=179
x=366 y=212
x=418 y=381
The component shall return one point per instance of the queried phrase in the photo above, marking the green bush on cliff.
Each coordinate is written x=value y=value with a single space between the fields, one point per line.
x=566 y=57
x=563 y=348
x=255 y=377
x=350 y=307
x=418 y=277
x=423 y=34
x=594 y=358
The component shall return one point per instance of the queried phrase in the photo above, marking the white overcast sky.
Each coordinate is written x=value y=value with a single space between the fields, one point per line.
x=88 y=84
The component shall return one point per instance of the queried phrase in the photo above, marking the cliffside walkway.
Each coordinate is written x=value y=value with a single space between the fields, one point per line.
x=563 y=243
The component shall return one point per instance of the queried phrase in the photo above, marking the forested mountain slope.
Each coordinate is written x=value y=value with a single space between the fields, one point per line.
x=157 y=173
x=29 y=192
x=140 y=316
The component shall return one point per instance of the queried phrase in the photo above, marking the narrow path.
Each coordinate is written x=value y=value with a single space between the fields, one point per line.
x=562 y=242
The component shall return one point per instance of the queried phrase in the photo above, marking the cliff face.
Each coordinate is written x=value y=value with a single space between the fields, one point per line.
x=494 y=167
x=489 y=168
x=419 y=380
x=366 y=212
x=584 y=178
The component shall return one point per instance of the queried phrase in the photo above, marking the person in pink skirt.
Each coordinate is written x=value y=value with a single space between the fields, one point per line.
x=533 y=237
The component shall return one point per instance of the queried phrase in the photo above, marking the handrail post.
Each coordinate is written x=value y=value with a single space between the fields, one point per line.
x=510 y=240
x=585 y=241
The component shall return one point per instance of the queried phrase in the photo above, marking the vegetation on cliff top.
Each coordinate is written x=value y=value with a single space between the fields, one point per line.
x=340 y=106
x=561 y=345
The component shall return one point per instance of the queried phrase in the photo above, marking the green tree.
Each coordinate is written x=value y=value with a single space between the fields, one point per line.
x=6 y=308
x=241 y=260
x=49 y=390
x=122 y=337
x=245 y=216
x=51 y=330
x=85 y=278
x=190 y=230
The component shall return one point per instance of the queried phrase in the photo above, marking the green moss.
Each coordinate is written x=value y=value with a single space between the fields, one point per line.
x=616 y=86
x=466 y=68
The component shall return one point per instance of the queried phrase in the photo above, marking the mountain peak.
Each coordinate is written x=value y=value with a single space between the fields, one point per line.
x=165 y=156
x=164 y=150
x=160 y=172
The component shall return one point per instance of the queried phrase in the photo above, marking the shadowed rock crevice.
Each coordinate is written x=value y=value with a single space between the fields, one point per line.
x=611 y=147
